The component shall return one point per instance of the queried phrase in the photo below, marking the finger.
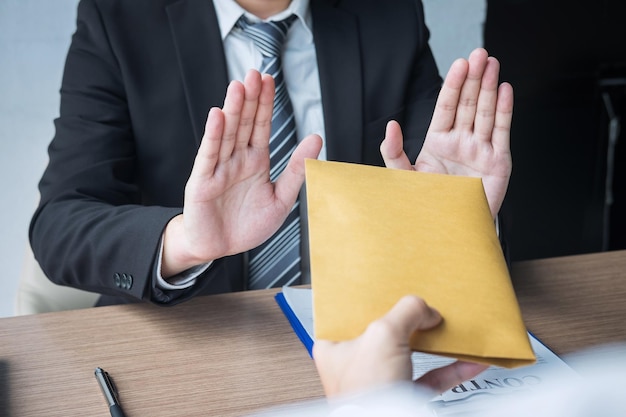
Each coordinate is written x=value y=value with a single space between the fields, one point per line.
x=448 y=99
x=487 y=99
x=391 y=148
x=329 y=358
x=233 y=104
x=468 y=100
x=411 y=313
x=321 y=347
x=208 y=154
x=291 y=179
x=501 y=140
x=262 y=127
x=325 y=352
x=252 y=84
x=444 y=378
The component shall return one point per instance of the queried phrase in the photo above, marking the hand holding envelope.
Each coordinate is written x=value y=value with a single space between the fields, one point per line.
x=377 y=234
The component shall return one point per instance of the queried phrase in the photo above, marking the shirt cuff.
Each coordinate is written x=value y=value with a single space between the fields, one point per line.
x=180 y=281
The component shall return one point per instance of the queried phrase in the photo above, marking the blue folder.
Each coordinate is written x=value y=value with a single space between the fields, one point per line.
x=295 y=323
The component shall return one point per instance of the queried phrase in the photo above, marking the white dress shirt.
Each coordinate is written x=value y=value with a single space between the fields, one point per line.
x=301 y=78
x=299 y=60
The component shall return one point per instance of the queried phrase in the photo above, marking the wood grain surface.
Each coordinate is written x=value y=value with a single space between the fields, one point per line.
x=223 y=355
x=229 y=355
x=574 y=302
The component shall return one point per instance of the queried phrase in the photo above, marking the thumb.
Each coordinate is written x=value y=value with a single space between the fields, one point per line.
x=411 y=313
x=290 y=181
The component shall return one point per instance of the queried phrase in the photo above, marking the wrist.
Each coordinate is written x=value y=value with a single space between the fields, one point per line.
x=176 y=257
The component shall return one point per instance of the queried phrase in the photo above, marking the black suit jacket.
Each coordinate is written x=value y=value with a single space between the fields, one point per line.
x=139 y=79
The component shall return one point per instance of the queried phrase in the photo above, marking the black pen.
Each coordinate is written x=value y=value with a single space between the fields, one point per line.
x=109 y=391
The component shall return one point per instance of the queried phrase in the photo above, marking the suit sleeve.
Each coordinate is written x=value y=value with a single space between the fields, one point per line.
x=91 y=230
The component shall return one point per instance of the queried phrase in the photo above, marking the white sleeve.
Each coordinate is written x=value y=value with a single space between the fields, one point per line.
x=180 y=281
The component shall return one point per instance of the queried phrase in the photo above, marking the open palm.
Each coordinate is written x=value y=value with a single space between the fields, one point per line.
x=231 y=205
x=469 y=133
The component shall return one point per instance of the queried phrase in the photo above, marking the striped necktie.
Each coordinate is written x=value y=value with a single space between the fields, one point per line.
x=276 y=262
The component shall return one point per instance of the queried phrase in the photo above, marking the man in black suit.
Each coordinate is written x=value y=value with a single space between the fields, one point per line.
x=139 y=79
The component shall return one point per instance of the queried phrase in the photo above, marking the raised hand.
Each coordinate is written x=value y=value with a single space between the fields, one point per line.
x=470 y=129
x=231 y=205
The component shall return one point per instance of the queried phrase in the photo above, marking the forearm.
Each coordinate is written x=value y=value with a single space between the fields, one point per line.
x=91 y=246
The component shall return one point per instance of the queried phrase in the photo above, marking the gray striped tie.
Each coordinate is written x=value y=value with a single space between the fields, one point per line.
x=277 y=261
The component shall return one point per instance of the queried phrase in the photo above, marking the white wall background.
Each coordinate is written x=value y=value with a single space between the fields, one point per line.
x=34 y=37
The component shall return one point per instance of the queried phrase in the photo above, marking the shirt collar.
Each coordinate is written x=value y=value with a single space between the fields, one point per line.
x=228 y=12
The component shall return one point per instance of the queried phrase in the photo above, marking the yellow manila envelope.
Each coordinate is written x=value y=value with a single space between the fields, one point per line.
x=377 y=234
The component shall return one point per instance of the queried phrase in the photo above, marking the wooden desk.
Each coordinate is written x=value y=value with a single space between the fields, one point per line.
x=574 y=302
x=223 y=355
x=228 y=355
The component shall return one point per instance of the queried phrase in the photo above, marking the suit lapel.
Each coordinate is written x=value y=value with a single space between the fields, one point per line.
x=202 y=63
x=200 y=56
x=338 y=57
